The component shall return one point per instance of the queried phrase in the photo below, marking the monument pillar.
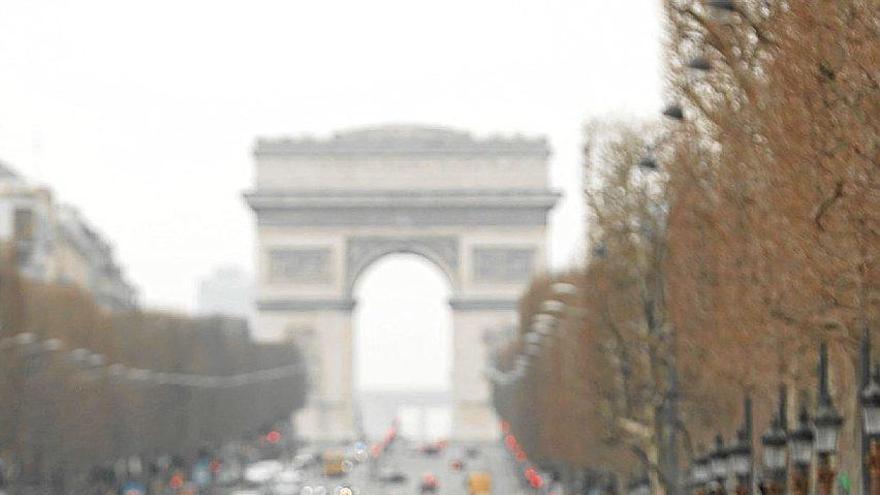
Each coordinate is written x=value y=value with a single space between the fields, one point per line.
x=473 y=419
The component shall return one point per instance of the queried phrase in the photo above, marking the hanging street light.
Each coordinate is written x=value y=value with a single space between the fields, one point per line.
x=699 y=63
x=871 y=406
x=564 y=288
x=871 y=429
x=775 y=458
x=828 y=423
x=718 y=465
x=700 y=474
x=648 y=163
x=552 y=307
x=674 y=112
x=800 y=444
x=725 y=5
x=643 y=486
x=740 y=460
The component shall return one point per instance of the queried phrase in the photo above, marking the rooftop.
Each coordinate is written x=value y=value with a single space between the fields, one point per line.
x=6 y=172
x=402 y=140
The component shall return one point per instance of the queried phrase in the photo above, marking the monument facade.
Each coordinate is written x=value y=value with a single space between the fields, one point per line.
x=326 y=209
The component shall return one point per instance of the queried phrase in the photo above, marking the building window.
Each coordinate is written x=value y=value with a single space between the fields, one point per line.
x=24 y=224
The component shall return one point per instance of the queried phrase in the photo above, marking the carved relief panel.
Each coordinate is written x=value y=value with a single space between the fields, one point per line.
x=503 y=264
x=301 y=265
x=361 y=251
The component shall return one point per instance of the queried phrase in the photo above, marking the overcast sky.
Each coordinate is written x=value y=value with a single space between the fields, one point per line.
x=143 y=114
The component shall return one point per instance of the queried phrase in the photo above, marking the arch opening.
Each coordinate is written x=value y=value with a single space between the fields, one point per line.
x=403 y=344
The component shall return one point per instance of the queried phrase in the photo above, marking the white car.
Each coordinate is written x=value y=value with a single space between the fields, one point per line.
x=302 y=461
x=287 y=482
x=262 y=472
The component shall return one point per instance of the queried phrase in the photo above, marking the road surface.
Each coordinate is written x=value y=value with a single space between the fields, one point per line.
x=405 y=457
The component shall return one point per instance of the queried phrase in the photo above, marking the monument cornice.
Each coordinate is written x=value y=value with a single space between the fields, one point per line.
x=508 y=198
x=402 y=140
x=291 y=304
x=484 y=304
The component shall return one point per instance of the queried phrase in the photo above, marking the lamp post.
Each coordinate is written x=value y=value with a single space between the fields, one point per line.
x=643 y=487
x=775 y=459
x=740 y=461
x=674 y=112
x=871 y=425
x=718 y=466
x=700 y=474
x=800 y=444
x=725 y=5
x=828 y=423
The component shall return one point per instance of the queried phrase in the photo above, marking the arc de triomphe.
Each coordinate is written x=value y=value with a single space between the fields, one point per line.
x=326 y=209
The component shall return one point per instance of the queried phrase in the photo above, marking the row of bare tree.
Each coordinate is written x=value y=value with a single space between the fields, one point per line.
x=725 y=245
x=59 y=419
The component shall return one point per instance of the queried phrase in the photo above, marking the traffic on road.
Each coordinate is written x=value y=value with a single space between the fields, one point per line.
x=277 y=465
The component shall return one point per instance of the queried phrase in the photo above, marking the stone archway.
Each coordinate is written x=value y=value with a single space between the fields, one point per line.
x=402 y=348
x=326 y=209
x=362 y=251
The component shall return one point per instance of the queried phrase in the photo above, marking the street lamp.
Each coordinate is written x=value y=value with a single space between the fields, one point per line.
x=699 y=63
x=564 y=288
x=533 y=349
x=871 y=405
x=775 y=460
x=828 y=423
x=544 y=323
x=96 y=360
x=718 y=465
x=51 y=345
x=725 y=5
x=871 y=425
x=648 y=163
x=700 y=474
x=19 y=339
x=740 y=459
x=552 y=307
x=543 y=319
x=674 y=111
x=643 y=486
x=800 y=444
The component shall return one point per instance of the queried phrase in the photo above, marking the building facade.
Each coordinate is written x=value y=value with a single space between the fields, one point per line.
x=53 y=243
x=327 y=209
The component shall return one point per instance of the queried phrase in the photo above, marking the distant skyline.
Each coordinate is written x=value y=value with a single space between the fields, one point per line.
x=143 y=115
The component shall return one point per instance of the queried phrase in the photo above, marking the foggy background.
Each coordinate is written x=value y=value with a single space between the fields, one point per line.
x=143 y=115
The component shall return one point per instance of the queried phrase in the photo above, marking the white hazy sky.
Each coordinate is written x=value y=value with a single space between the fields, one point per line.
x=143 y=113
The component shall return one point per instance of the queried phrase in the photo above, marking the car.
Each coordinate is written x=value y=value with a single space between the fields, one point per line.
x=433 y=448
x=229 y=474
x=392 y=476
x=479 y=483
x=304 y=460
x=262 y=471
x=287 y=482
x=472 y=452
x=429 y=483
